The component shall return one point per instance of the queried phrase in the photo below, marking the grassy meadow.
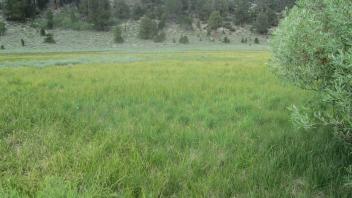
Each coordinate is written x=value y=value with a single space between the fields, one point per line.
x=158 y=124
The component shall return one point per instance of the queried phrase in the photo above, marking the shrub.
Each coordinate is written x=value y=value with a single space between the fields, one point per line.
x=184 y=40
x=312 y=48
x=49 y=39
x=2 y=28
x=226 y=40
x=244 y=40
x=256 y=41
x=148 y=28
x=49 y=20
x=118 y=35
x=160 y=37
x=42 y=32
x=23 y=43
x=2 y=47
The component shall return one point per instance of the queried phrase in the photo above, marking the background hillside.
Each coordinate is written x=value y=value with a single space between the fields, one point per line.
x=110 y=23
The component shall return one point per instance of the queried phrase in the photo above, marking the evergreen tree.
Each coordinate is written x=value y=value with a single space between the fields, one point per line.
x=19 y=10
x=121 y=9
x=215 y=20
x=49 y=20
x=148 y=28
x=242 y=12
x=98 y=12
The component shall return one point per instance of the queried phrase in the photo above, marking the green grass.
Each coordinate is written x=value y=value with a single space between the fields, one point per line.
x=192 y=124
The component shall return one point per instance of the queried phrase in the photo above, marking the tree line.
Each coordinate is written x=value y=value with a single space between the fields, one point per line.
x=262 y=14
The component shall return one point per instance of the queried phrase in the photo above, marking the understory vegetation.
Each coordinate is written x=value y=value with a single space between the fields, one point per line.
x=159 y=124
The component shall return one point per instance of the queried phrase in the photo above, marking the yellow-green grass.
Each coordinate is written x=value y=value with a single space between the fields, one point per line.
x=192 y=124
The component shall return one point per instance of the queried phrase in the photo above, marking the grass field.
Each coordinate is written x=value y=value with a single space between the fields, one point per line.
x=184 y=124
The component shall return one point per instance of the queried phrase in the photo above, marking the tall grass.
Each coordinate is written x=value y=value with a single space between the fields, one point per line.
x=195 y=124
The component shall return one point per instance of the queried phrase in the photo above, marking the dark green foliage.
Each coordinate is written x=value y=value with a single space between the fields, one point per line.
x=215 y=20
x=2 y=47
x=244 y=40
x=148 y=28
x=41 y=4
x=256 y=41
x=42 y=32
x=118 y=35
x=186 y=22
x=97 y=12
x=23 y=43
x=312 y=48
x=137 y=11
x=19 y=10
x=121 y=9
x=2 y=28
x=160 y=37
x=183 y=40
x=49 y=20
x=226 y=40
x=241 y=12
x=49 y=39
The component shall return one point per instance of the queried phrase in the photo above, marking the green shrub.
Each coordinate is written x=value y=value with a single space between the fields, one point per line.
x=118 y=35
x=312 y=49
x=49 y=39
x=184 y=40
x=2 y=28
x=256 y=41
x=42 y=32
x=160 y=37
x=148 y=28
x=2 y=47
x=244 y=40
x=226 y=40
x=23 y=43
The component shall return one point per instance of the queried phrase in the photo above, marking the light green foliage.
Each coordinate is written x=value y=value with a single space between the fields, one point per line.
x=312 y=48
x=215 y=20
x=169 y=124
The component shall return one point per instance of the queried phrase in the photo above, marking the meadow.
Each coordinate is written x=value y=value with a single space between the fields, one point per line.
x=158 y=124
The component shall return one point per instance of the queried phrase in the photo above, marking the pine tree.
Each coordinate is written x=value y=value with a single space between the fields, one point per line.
x=148 y=28
x=215 y=20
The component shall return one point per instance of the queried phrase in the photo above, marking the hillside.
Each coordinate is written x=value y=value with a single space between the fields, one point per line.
x=87 y=40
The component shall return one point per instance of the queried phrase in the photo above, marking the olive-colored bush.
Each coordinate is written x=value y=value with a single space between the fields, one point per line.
x=313 y=49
